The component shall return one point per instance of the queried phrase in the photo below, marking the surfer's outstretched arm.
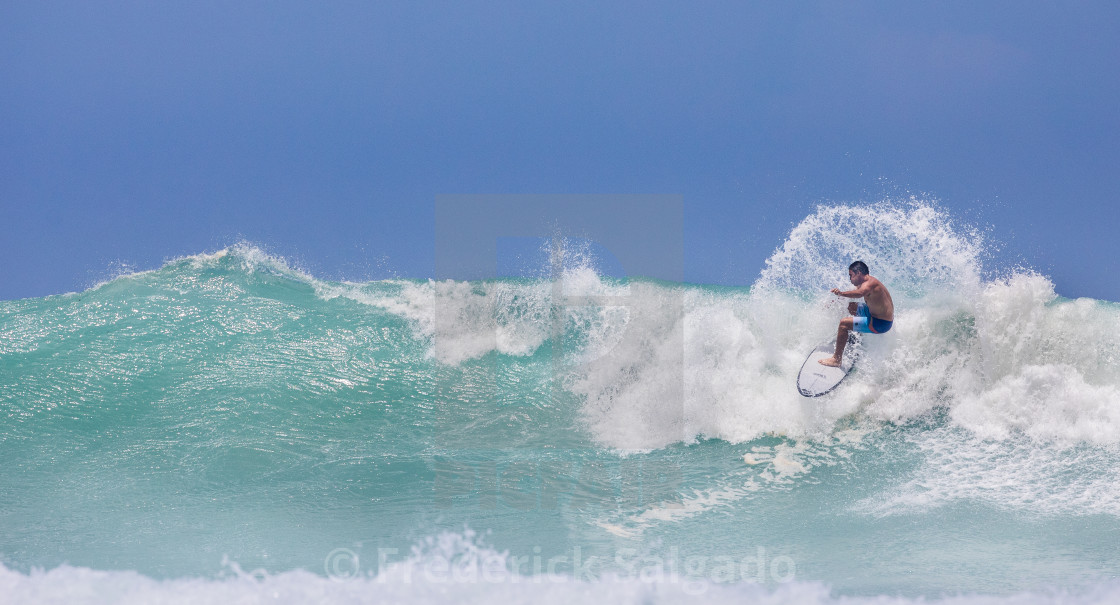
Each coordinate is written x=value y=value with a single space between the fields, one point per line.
x=857 y=293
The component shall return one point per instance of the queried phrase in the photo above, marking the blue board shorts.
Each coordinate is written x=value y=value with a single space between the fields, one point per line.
x=865 y=323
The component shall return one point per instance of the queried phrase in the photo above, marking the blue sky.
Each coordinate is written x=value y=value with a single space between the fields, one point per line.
x=133 y=132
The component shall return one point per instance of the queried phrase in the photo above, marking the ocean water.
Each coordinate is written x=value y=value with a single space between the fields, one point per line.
x=228 y=428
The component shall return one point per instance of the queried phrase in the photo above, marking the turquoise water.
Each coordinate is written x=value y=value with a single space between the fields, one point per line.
x=229 y=427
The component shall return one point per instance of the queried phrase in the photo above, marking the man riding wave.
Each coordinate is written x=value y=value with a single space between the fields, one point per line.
x=873 y=316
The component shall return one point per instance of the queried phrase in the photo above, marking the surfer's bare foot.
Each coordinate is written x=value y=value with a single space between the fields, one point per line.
x=831 y=362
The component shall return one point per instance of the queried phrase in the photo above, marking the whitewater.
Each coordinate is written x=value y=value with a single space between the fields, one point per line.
x=230 y=428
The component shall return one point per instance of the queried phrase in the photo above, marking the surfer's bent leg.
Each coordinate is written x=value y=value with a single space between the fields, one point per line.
x=859 y=323
x=841 y=342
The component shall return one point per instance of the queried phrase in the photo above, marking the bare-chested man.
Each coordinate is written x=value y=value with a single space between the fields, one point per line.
x=873 y=316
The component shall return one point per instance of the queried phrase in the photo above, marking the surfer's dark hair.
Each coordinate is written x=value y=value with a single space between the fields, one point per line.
x=859 y=267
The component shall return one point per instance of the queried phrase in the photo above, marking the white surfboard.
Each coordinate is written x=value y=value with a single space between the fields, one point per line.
x=815 y=379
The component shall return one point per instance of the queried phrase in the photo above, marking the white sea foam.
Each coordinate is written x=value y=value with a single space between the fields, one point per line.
x=1004 y=357
x=458 y=568
x=767 y=468
x=1016 y=473
x=731 y=374
x=467 y=320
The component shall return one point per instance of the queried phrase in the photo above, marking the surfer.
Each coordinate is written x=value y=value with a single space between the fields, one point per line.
x=873 y=316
